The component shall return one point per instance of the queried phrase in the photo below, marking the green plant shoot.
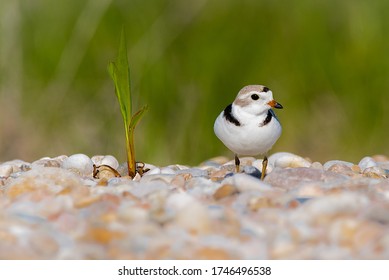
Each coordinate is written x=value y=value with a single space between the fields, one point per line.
x=120 y=74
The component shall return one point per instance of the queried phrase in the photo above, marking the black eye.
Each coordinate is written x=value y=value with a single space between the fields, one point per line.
x=254 y=97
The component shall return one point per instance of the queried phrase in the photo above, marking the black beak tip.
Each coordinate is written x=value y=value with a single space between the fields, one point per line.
x=278 y=106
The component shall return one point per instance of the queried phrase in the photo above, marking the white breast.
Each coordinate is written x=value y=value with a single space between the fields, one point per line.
x=250 y=138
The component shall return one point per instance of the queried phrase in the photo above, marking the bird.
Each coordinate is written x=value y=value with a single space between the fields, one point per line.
x=249 y=126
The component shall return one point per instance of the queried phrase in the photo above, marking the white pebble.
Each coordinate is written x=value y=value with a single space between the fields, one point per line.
x=131 y=214
x=375 y=170
x=5 y=170
x=177 y=201
x=153 y=171
x=330 y=163
x=106 y=160
x=190 y=213
x=317 y=165
x=284 y=160
x=167 y=170
x=244 y=182
x=79 y=162
x=367 y=162
x=97 y=159
x=111 y=161
x=18 y=165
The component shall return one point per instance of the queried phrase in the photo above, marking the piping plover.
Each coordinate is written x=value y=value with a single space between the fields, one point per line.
x=249 y=126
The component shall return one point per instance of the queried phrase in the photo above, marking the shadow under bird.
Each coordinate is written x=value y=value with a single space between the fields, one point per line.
x=249 y=126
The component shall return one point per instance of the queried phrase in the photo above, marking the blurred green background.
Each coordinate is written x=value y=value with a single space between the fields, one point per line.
x=326 y=61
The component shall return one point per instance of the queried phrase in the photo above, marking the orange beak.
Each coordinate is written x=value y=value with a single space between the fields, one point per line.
x=275 y=104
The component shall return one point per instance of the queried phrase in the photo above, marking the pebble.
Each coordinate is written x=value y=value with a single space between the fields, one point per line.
x=285 y=160
x=244 y=182
x=330 y=163
x=252 y=171
x=317 y=165
x=375 y=172
x=302 y=210
x=189 y=213
x=367 y=162
x=80 y=163
x=344 y=169
x=6 y=170
x=49 y=162
x=105 y=160
x=224 y=191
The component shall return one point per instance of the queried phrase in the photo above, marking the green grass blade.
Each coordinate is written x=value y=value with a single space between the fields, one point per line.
x=137 y=116
x=130 y=144
x=120 y=74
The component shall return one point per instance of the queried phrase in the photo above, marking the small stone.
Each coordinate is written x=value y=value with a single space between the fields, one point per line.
x=79 y=162
x=285 y=160
x=105 y=160
x=5 y=170
x=252 y=171
x=330 y=163
x=356 y=168
x=317 y=165
x=374 y=172
x=105 y=172
x=190 y=213
x=177 y=167
x=18 y=165
x=153 y=171
x=342 y=169
x=257 y=203
x=167 y=171
x=137 y=177
x=219 y=174
x=367 y=162
x=244 y=182
x=46 y=162
x=224 y=191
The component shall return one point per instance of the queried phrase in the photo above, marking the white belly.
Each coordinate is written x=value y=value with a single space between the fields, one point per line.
x=249 y=139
